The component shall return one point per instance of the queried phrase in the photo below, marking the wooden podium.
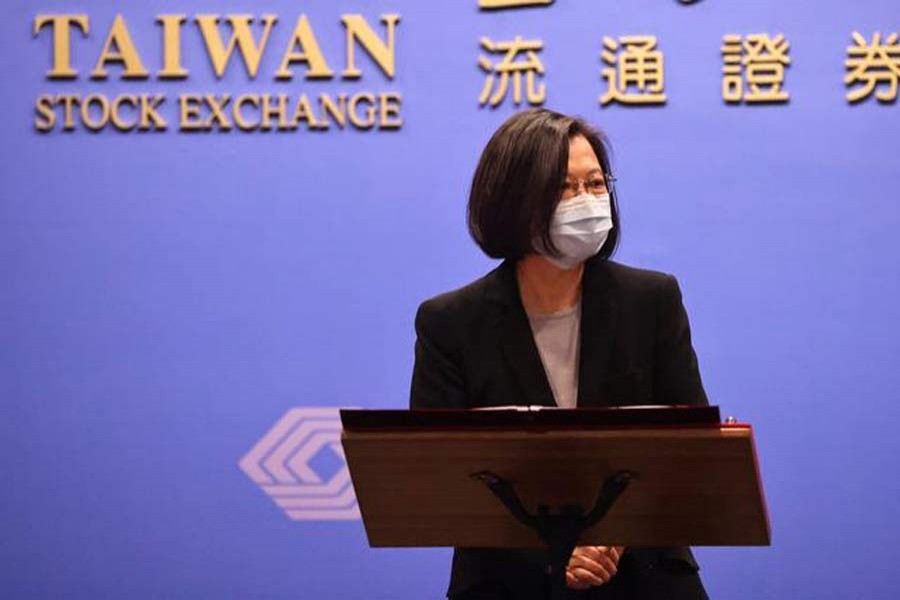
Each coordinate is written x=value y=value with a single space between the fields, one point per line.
x=535 y=476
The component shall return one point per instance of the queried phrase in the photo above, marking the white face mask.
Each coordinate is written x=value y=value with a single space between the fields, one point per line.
x=579 y=229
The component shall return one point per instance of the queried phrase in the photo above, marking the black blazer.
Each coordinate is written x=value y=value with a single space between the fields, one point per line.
x=475 y=348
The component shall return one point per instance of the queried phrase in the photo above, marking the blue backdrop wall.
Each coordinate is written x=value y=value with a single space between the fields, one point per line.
x=168 y=297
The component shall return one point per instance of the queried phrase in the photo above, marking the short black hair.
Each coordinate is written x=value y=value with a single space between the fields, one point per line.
x=519 y=179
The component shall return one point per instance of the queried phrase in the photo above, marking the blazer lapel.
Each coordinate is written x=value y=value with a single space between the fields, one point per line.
x=517 y=341
x=598 y=329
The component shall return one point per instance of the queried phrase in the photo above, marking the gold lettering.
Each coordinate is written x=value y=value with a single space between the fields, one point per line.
x=44 y=109
x=873 y=67
x=280 y=111
x=190 y=112
x=69 y=102
x=241 y=36
x=124 y=53
x=635 y=71
x=309 y=53
x=338 y=111
x=172 y=68
x=149 y=114
x=116 y=115
x=390 y=110
x=62 y=42
x=369 y=120
x=304 y=112
x=238 y=116
x=501 y=4
x=381 y=53
x=86 y=116
x=217 y=108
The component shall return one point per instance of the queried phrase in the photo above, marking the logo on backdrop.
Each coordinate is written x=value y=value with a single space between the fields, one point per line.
x=300 y=464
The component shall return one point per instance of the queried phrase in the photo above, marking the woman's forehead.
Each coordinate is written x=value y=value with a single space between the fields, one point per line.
x=581 y=153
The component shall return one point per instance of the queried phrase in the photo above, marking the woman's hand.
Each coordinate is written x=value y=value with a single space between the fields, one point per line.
x=592 y=566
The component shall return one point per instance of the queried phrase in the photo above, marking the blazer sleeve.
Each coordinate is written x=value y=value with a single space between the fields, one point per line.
x=437 y=380
x=676 y=374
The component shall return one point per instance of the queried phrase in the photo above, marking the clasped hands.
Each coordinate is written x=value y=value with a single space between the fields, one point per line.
x=591 y=566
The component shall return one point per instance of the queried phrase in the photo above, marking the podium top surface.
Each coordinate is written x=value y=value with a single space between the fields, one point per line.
x=530 y=417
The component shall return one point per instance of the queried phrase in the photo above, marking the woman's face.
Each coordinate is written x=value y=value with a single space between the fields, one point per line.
x=584 y=174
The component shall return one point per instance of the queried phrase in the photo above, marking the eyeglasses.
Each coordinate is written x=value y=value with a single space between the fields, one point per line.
x=595 y=184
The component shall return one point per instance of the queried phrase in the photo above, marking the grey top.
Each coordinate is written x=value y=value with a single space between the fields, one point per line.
x=557 y=337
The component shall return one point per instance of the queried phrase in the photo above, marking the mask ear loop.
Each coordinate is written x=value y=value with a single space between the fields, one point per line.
x=613 y=200
x=611 y=187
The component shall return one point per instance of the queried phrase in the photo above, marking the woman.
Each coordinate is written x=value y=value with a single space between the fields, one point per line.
x=556 y=324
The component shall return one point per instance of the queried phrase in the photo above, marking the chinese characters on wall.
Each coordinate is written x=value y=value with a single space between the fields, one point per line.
x=754 y=68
